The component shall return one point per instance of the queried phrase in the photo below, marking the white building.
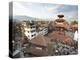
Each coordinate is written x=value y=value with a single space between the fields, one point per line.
x=31 y=31
x=76 y=36
x=42 y=31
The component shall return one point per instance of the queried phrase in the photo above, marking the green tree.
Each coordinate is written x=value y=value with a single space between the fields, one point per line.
x=74 y=22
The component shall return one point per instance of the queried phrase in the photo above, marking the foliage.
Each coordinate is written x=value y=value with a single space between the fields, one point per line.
x=74 y=22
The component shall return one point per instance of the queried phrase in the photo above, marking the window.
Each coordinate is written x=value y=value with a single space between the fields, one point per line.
x=33 y=35
x=33 y=31
x=32 y=27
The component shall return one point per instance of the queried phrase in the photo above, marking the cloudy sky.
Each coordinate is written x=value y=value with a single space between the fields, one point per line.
x=44 y=10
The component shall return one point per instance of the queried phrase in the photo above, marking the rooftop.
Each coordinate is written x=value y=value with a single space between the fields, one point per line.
x=60 y=37
x=40 y=40
x=60 y=16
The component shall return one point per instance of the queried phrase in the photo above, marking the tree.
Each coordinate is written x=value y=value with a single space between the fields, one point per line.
x=74 y=22
x=74 y=25
x=19 y=29
x=19 y=34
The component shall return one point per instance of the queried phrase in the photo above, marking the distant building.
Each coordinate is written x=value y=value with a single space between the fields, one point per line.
x=30 y=29
x=24 y=23
x=42 y=31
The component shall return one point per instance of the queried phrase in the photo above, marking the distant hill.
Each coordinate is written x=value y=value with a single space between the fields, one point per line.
x=21 y=18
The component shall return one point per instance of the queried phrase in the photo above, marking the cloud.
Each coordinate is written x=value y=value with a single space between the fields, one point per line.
x=18 y=9
x=54 y=8
x=51 y=10
x=41 y=10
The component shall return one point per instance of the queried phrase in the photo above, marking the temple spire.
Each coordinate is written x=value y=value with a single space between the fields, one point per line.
x=60 y=16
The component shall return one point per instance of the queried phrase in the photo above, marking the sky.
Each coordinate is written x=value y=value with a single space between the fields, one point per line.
x=45 y=10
